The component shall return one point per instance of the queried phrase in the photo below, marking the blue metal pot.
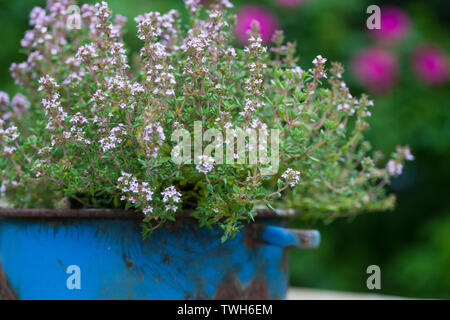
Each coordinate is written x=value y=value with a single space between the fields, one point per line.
x=100 y=254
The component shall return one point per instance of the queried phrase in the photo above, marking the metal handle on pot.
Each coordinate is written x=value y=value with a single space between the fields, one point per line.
x=285 y=237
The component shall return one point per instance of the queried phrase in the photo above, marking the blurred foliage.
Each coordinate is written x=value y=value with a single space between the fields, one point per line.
x=411 y=244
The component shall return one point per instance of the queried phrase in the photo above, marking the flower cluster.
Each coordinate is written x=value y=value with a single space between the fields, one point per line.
x=77 y=132
x=135 y=191
x=170 y=198
x=96 y=131
x=54 y=111
x=395 y=166
x=205 y=164
x=114 y=138
x=8 y=138
x=319 y=63
x=14 y=108
x=291 y=177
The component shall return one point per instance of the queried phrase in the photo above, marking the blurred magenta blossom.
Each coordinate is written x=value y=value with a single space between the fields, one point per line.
x=375 y=69
x=289 y=3
x=431 y=64
x=395 y=24
x=246 y=14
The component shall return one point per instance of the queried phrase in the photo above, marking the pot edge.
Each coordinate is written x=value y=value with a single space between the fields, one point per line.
x=116 y=213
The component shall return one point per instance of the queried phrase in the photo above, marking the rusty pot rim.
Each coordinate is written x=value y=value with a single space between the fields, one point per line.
x=115 y=213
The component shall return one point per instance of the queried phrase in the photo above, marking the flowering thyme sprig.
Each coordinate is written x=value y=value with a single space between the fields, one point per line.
x=254 y=85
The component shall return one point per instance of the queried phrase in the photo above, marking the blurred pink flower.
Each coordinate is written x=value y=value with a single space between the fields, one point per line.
x=289 y=3
x=375 y=69
x=20 y=104
x=246 y=14
x=395 y=24
x=431 y=64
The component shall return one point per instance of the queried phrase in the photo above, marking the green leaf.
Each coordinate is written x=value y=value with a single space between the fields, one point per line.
x=269 y=205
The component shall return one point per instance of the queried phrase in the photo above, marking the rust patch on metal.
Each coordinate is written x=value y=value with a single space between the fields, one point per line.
x=131 y=266
x=6 y=291
x=62 y=265
x=284 y=263
x=251 y=235
x=257 y=289
x=228 y=290
x=128 y=263
x=232 y=289
x=166 y=258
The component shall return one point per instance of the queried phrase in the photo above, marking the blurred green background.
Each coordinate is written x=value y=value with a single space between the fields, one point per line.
x=411 y=244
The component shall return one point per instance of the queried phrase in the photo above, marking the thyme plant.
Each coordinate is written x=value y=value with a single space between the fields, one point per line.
x=92 y=131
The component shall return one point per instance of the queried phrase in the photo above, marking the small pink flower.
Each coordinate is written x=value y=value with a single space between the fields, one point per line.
x=289 y=3
x=395 y=24
x=431 y=64
x=267 y=22
x=375 y=68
